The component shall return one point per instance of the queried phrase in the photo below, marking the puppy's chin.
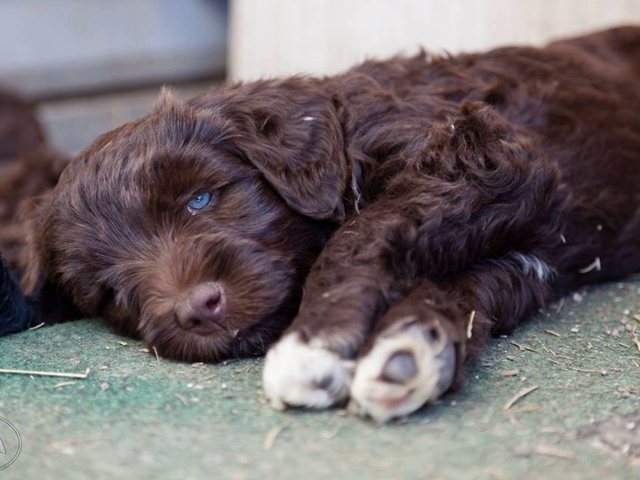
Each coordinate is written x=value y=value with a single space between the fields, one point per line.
x=176 y=343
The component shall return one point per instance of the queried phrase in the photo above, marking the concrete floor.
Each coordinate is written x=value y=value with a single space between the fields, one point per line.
x=135 y=416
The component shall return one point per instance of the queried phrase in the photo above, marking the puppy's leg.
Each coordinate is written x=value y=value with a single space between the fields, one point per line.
x=419 y=347
x=349 y=287
x=359 y=275
x=352 y=285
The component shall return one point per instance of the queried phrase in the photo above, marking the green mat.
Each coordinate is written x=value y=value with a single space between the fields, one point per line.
x=136 y=416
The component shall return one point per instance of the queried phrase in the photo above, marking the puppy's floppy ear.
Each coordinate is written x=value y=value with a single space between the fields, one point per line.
x=291 y=133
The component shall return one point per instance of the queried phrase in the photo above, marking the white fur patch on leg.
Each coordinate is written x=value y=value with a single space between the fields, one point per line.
x=298 y=374
x=421 y=361
x=533 y=265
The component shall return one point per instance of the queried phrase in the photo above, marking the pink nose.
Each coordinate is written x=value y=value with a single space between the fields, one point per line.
x=202 y=309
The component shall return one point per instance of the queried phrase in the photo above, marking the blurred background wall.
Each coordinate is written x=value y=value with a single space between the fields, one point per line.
x=67 y=47
x=280 y=37
x=94 y=64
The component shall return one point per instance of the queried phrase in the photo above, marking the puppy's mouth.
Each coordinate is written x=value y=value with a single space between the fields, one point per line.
x=206 y=328
x=171 y=341
x=234 y=335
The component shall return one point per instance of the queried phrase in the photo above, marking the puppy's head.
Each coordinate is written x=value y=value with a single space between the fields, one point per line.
x=195 y=226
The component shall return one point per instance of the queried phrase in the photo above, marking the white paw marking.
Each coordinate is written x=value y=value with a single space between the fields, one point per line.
x=305 y=375
x=430 y=373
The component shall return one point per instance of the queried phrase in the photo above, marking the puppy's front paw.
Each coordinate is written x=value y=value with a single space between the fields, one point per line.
x=299 y=374
x=410 y=364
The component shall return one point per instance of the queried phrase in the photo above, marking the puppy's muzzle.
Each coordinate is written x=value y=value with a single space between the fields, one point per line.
x=203 y=309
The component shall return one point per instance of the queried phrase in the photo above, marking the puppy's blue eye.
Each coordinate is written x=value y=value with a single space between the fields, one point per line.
x=199 y=202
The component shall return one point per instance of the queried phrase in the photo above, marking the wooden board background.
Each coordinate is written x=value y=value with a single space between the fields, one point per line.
x=280 y=37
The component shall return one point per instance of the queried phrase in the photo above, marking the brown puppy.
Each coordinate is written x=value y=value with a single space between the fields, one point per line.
x=27 y=167
x=32 y=173
x=19 y=129
x=448 y=200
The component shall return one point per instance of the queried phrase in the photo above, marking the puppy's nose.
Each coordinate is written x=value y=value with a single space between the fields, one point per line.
x=202 y=309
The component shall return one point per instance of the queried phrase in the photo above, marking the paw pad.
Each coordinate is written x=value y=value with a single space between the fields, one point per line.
x=409 y=365
x=399 y=368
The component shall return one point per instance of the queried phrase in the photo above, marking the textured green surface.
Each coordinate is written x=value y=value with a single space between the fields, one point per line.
x=136 y=417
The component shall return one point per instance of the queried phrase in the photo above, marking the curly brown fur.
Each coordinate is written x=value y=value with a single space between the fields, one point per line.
x=27 y=168
x=482 y=183
x=20 y=131
x=28 y=175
